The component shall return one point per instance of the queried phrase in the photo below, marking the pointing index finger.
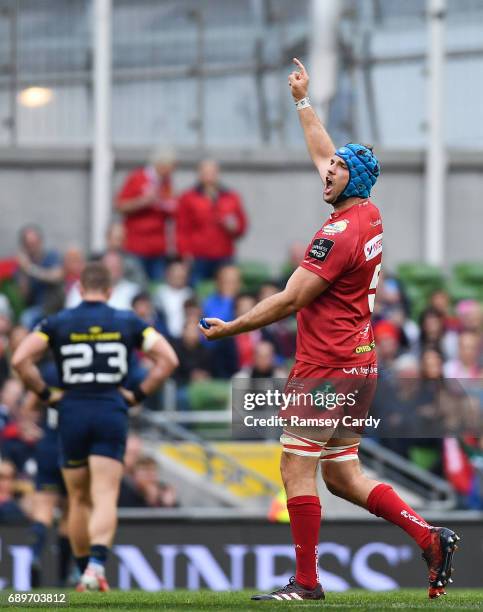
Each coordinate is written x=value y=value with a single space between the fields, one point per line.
x=299 y=64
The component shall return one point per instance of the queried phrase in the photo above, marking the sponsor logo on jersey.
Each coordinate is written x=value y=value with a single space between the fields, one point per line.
x=320 y=248
x=95 y=329
x=361 y=370
x=95 y=337
x=335 y=228
x=376 y=222
x=365 y=348
x=373 y=247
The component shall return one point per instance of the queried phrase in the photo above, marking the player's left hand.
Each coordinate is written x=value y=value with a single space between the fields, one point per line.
x=218 y=329
x=298 y=81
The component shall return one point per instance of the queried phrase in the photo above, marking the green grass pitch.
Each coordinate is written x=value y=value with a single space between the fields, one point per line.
x=175 y=601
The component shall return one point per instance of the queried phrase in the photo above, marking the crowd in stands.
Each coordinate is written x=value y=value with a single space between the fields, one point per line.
x=159 y=247
x=429 y=392
x=172 y=258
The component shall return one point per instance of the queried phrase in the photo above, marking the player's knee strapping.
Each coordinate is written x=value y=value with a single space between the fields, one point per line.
x=340 y=453
x=297 y=445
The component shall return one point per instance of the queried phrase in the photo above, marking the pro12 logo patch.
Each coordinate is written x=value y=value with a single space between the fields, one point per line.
x=320 y=248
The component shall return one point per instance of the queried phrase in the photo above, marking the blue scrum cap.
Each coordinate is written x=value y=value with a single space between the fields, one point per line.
x=363 y=168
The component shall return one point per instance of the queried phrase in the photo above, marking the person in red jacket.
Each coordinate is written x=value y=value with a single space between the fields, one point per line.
x=147 y=203
x=209 y=221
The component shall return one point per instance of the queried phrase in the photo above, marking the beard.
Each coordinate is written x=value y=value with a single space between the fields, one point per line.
x=331 y=198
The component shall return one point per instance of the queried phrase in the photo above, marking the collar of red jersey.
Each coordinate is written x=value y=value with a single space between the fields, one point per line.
x=337 y=213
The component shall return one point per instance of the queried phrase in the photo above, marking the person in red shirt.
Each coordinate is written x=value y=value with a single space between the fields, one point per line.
x=333 y=293
x=209 y=221
x=147 y=203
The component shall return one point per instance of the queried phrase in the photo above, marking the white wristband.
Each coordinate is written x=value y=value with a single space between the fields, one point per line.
x=303 y=103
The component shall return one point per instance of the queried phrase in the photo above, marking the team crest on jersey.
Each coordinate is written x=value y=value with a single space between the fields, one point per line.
x=364 y=333
x=373 y=247
x=335 y=228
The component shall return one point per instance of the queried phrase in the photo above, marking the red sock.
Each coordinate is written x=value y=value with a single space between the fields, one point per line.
x=383 y=501
x=305 y=514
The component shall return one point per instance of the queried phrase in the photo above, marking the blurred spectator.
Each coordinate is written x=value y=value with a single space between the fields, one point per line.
x=431 y=365
x=264 y=363
x=387 y=337
x=427 y=452
x=221 y=304
x=395 y=400
x=11 y=396
x=144 y=489
x=282 y=334
x=146 y=201
x=133 y=452
x=143 y=306
x=194 y=356
x=171 y=296
x=390 y=296
x=392 y=305
x=246 y=343
x=74 y=262
x=8 y=346
x=466 y=453
x=192 y=310
x=115 y=238
x=5 y=308
x=5 y=325
x=210 y=219
x=19 y=438
x=267 y=290
x=470 y=315
x=123 y=290
x=296 y=254
x=39 y=277
x=441 y=302
x=10 y=510
x=4 y=365
x=467 y=364
x=409 y=329
x=431 y=325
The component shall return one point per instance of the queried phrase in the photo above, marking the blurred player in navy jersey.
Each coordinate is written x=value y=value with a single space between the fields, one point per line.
x=333 y=292
x=50 y=493
x=92 y=346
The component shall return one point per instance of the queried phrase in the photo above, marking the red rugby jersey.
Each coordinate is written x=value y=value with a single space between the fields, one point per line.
x=335 y=329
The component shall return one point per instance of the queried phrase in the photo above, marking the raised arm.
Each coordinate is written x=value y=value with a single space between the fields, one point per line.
x=319 y=143
x=51 y=275
x=302 y=289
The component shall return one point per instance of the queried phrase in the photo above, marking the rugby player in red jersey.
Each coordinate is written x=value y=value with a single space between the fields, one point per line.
x=333 y=293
